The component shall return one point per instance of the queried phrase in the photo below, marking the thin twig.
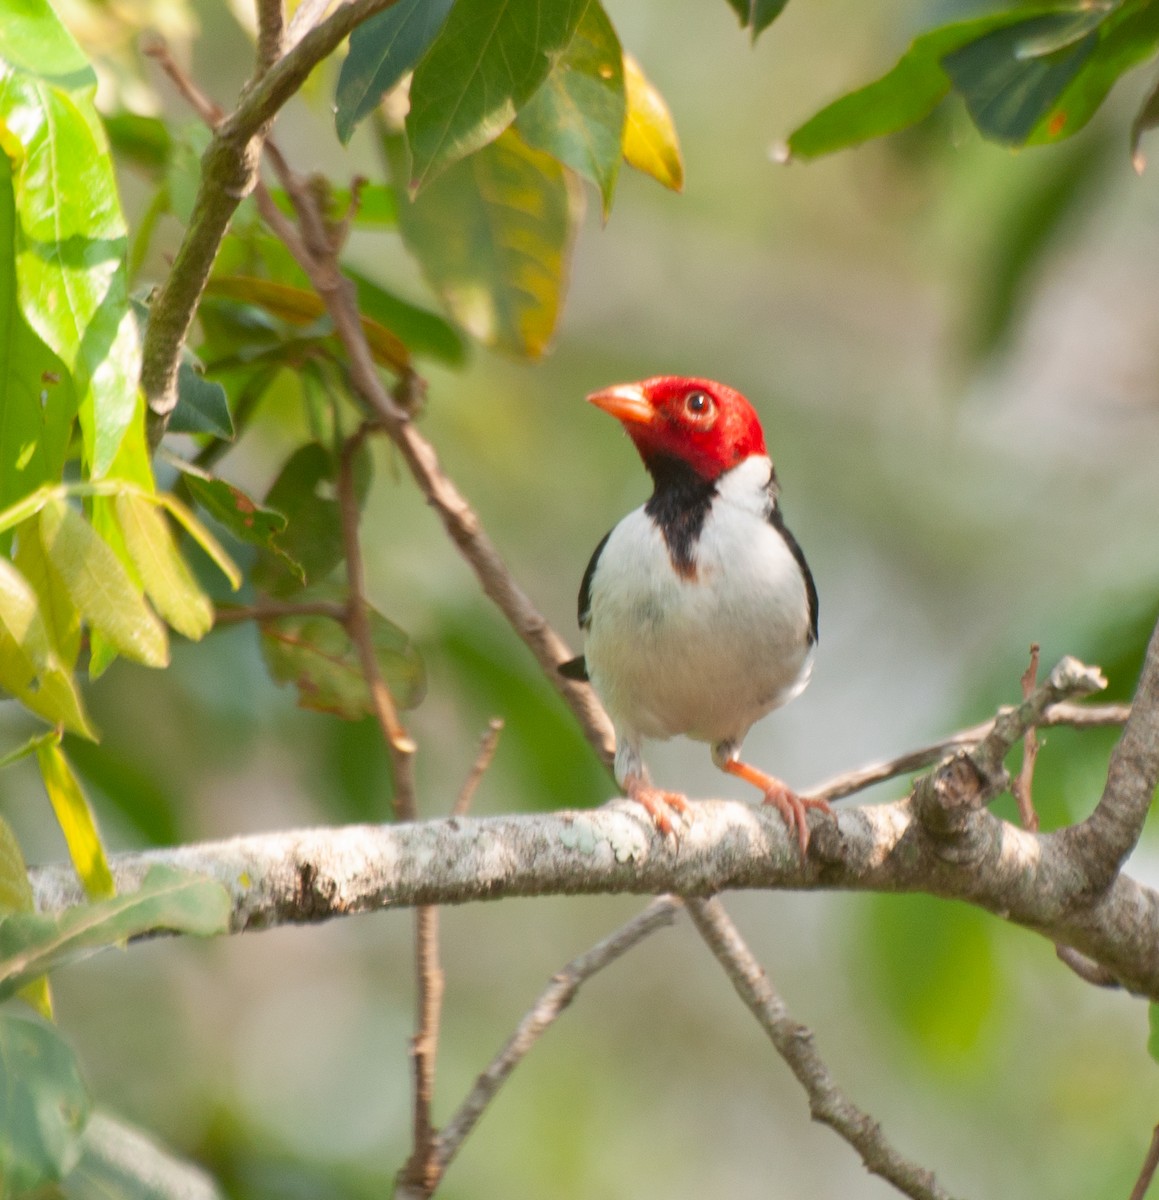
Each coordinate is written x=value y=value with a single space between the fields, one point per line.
x=1150 y=1163
x=848 y=783
x=156 y=48
x=487 y=748
x=1086 y=968
x=551 y=1003
x=794 y=1043
x=1022 y=788
x=398 y=741
x=271 y=610
x=419 y=1175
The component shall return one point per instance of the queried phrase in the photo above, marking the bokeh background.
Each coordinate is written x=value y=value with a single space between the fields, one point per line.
x=955 y=351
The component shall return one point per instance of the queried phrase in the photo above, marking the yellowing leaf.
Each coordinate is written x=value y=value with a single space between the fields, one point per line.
x=56 y=608
x=76 y=821
x=16 y=897
x=100 y=587
x=493 y=234
x=650 y=142
x=29 y=667
x=167 y=579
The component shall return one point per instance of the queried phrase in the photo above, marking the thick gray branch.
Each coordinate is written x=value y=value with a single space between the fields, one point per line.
x=314 y=874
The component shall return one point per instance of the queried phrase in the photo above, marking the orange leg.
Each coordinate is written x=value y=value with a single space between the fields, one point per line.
x=793 y=807
x=660 y=805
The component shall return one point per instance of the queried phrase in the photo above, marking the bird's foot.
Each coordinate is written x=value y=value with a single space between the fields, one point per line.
x=793 y=808
x=667 y=809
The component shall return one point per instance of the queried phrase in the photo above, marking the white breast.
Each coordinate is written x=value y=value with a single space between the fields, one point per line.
x=702 y=657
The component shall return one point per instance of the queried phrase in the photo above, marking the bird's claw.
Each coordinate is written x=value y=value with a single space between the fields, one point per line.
x=794 y=809
x=667 y=809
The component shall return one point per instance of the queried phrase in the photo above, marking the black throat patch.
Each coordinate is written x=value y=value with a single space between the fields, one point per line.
x=679 y=506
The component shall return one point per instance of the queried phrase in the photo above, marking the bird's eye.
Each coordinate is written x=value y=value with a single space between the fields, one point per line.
x=698 y=403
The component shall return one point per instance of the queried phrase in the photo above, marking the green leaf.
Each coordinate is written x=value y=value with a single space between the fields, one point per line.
x=650 y=143
x=72 y=282
x=296 y=306
x=578 y=113
x=167 y=580
x=202 y=406
x=56 y=608
x=305 y=493
x=906 y=94
x=243 y=516
x=426 y=334
x=76 y=821
x=485 y=64
x=1127 y=37
x=100 y=587
x=1153 y=1030
x=29 y=666
x=757 y=15
x=35 y=42
x=1008 y=84
x=382 y=50
x=37 y=401
x=316 y=655
x=493 y=235
x=44 y=1104
x=32 y=944
x=143 y=141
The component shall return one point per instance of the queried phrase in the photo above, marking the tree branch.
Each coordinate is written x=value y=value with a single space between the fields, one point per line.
x=309 y=875
x=794 y=1043
x=228 y=173
x=848 y=783
x=1101 y=843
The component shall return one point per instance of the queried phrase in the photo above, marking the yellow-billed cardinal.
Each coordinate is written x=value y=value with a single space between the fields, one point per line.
x=699 y=608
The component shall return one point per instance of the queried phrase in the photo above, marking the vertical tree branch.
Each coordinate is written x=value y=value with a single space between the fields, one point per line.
x=1023 y=785
x=1150 y=1164
x=794 y=1043
x=1101 y=843
x=398 y=741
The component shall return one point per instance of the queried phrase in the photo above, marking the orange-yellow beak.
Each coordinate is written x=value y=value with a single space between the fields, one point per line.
x=626 y=402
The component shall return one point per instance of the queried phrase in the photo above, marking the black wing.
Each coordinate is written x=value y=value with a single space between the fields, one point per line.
x=585 y=592
x=577 y=668
x=778 y=523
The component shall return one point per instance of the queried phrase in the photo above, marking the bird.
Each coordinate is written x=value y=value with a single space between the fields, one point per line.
x=699 y=610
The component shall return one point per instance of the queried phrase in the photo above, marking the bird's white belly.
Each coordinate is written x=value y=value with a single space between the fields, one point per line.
x=702 y=657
